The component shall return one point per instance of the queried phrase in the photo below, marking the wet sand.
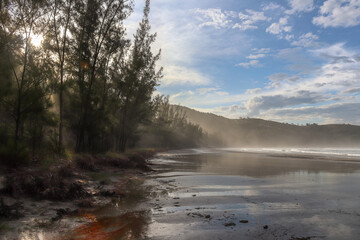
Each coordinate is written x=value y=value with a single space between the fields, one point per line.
x=220 y=194
x=227 y=194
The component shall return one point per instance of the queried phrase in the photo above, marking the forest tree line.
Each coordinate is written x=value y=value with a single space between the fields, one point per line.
x=88 y=87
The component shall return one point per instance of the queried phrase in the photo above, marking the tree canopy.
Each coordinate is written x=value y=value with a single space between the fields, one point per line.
x=88 y=87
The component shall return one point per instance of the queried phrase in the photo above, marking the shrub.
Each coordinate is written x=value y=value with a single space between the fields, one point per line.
x=9 y=157
x=85 y=162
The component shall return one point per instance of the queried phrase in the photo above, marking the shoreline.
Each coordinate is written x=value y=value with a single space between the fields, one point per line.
x=145 y=203
x=80 y=190
x=250 y=196
x=285 y=153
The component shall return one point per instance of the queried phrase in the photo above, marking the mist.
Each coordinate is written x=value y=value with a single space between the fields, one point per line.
x=251 y=132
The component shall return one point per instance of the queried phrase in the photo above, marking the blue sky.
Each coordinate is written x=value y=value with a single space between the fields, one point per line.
x=293 y=61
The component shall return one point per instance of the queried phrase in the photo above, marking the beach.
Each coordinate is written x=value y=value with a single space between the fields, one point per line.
x=290 y=194
x=257 y=194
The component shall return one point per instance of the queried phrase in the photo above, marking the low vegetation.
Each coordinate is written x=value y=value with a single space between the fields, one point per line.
x=66 y=181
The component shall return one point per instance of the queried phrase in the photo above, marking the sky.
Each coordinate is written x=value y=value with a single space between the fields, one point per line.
x=294 y=61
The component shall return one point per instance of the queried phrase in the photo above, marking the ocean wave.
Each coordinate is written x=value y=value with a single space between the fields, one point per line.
x=321 y=151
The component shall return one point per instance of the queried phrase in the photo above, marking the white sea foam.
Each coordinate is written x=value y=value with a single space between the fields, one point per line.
x=350 y=152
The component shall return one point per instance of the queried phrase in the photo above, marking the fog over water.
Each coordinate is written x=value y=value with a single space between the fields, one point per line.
x=298 y=193
x=259 y=133
x=354 y=152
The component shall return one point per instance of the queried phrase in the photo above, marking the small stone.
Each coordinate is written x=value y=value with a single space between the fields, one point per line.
x=243 y=221
x=266 y=227
x=207 y=216
x=230 y=224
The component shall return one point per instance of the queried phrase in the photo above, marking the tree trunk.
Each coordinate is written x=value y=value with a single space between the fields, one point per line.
x=17 y=127
x=61 y=119
x=123 y=135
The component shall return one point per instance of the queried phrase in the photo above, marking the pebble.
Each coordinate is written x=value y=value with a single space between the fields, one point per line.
x=230 y=224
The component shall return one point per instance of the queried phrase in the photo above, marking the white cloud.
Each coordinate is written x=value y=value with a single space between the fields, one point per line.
x=244 y=27
x=297 y=59
x=184 y=43
x=178 y=75
x=249 y=19
x=352 y=90
x=180 y=94
x=335 y=50
x=338 y=13
x=289 y=37
x=300 y=6
x=256 y=56
x=257 y=53
x=203 y=91
x=346 y=112
x=280 y=27
x=214 y=17
x=182 y=49
x=232 y=111
x=213 y=98
x=252 y=63
x=261 y=50
x=306 y=40
x=294 y=95
x=277 y=79
x=271 y=6
x=253 y=91
x=219 y=19
x=338 y=80
x=221 y=93
x=266 y=102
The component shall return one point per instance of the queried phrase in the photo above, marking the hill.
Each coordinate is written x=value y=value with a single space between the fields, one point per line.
x=252 y=132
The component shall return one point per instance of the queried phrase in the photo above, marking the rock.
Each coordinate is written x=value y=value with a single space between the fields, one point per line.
x=265 y=226
x=207 y=216
x=230 y=224
x=243 y=221
x=107 y=193
x=61 y=212
x=196 y=215
x=10 y=211
x=76 y=191
x=86 y=203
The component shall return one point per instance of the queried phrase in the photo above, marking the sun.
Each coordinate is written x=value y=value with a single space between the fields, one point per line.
x=36 y=40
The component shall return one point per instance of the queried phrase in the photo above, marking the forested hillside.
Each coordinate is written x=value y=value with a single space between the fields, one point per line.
x=250 y=132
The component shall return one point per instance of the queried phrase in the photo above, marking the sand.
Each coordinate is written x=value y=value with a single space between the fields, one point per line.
x=222 y=194
x=229 y=194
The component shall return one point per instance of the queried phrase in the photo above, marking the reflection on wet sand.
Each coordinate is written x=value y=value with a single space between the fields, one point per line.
x=218 y=194
x=240 y=195
x=125 y=218
x=128 y=226
x=264 y=165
